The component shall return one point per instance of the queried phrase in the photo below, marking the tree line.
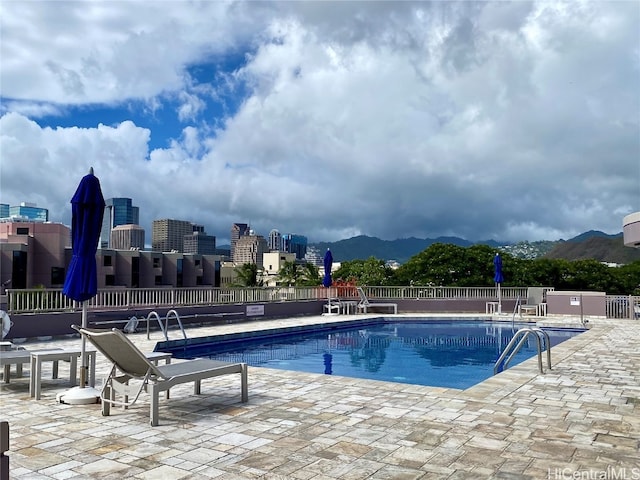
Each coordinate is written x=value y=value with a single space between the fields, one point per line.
x=449 y=265
x=453 y=266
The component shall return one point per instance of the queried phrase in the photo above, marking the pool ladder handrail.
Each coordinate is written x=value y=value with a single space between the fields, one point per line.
x=165 y=328
x=515 y=309
x=516 y=344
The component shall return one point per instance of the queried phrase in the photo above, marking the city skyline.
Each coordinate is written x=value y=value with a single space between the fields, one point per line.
x=481 y=120
x=228 y=242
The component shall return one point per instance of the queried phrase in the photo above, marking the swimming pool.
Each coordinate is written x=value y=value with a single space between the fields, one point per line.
x=452 y=354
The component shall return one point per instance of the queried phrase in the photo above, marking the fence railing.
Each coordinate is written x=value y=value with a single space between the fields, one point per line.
x=623 y=306
x=53 y=300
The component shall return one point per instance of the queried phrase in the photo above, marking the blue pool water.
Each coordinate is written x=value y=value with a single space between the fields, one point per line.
x=443 y=354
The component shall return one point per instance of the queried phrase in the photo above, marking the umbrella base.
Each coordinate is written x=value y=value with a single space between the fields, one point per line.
x=79 y=396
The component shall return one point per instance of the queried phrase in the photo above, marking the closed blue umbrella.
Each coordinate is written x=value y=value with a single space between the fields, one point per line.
x=498 y=277
x=81 y=282
x=87 y=208
x=326 y=280
x=328 y=263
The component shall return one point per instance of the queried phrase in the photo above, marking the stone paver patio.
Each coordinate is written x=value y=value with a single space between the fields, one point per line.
x=581 y=420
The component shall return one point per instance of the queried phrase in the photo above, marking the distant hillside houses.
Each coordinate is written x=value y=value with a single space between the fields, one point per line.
x=527 y=250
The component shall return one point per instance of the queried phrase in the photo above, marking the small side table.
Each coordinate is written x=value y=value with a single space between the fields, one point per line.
x=68 y=355
x=349 y=307
x=491 y=307
x=155 y=357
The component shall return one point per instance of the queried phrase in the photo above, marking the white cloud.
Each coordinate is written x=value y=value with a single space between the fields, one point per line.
x=190 y=107
x=394 y=119
x=31 y=109
x=76 y=52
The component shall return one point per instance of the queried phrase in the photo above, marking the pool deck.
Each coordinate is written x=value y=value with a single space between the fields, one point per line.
x=580 y=420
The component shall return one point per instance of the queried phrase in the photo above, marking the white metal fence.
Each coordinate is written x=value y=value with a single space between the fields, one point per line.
x=52 y=300
x=623 y=306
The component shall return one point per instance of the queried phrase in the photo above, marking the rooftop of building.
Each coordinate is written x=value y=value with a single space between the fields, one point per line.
x=582 y=417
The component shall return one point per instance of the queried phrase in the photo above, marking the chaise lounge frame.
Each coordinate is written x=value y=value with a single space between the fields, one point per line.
x=365 y=304
x=133 y=364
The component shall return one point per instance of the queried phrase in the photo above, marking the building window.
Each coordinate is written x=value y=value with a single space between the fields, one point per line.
x=22 y=231
x=179 y=273
x=19 y=270
x=158 y=279
x=57 y=275
x=135 y=272
x=197 y=263
x=199 y=280
x=110 y=280
x=156 y=263
x=107 y=261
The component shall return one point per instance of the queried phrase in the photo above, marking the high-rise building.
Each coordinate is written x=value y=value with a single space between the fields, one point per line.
x=29 y=212
x=126 y=237
x=250 y=249
x=33 y=253
x=237 y=230
x=295 y=244
x=4 y=210
x=117 y=211
x=168 y=235
x=275 y=241
x=199 y=242
x=313 y=257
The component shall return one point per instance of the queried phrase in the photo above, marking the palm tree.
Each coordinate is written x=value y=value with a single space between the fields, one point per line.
x=310 y=275
x=288 y=274
x=247 y=275
x=293 y=274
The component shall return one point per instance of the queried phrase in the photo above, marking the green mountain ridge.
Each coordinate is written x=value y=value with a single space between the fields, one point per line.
x=400 y=250
x=592 y=244
x=609 y=249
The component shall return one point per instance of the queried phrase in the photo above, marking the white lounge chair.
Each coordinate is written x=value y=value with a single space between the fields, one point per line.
x=365 y=304
x=133 y=364
x=535 y=303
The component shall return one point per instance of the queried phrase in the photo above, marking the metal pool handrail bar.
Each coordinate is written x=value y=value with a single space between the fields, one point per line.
x=524 y=333
x=515 y=309
x=166 y=324
x=165 y=328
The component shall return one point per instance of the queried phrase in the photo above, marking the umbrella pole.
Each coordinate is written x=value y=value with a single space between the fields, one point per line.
x=499 y=300
x=83 y=361
x=81 y=394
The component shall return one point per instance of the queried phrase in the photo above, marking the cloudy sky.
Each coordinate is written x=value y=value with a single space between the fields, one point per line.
x=504 y=120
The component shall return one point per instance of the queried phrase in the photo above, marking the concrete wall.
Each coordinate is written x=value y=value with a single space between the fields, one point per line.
x=576 y=303
x=57 y=324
